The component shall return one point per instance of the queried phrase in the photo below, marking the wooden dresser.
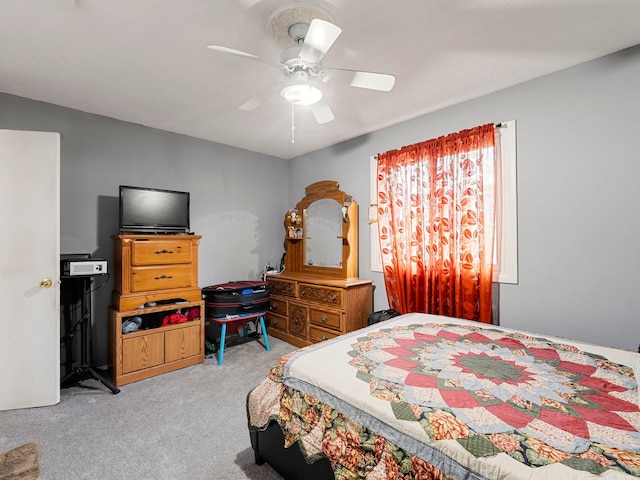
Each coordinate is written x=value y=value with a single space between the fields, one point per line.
x=154 y=268
x=319 y=296
x=306 y=310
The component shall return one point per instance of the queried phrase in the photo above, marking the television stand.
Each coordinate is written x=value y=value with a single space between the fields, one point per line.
x=151 y=270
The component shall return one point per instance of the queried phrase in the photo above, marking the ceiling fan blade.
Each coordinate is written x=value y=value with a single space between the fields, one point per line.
x=318 y=40
x=322 y=112
x=260 y=97
x=372 y=81
x=239 y=53
x=253 y=103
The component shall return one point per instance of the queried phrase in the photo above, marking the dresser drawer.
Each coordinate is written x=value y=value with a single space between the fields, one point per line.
x=277 y=323
x=145 y=279
x=157 y=252
x=278 y=305
x=326 y=319
x=320 y=335
x=281 y=286
x=320 y=294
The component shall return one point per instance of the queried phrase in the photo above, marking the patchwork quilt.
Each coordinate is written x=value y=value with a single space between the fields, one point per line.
x=425 y=397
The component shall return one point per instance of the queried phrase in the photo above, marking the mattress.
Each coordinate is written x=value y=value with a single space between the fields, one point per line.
x=424 y=396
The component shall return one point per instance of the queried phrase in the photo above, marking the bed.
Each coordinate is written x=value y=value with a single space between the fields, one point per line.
x=430 y=397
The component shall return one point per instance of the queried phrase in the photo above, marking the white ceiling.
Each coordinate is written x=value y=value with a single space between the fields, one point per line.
x=146 y=61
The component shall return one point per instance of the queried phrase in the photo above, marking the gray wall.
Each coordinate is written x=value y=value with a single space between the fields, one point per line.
x=238 y=198
x=578 y=200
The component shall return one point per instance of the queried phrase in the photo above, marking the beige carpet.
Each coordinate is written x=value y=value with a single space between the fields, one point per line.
x=20 y=463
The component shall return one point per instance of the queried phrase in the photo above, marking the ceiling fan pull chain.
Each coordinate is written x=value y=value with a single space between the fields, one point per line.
x=293 y=123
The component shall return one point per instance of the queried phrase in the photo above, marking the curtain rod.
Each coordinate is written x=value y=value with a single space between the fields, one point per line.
x=497 y=125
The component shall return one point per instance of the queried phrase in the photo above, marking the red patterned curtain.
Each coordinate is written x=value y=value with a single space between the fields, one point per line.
x=436 y=221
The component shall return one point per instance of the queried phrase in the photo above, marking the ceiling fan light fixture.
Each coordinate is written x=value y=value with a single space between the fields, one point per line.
x=301 y=94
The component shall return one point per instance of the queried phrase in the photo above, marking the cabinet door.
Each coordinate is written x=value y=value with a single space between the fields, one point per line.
x=142 y=352
x=298 y=320
x=182 y=343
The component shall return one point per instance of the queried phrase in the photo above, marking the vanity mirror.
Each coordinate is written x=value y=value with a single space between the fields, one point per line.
x=323 y=242
x=322 y=233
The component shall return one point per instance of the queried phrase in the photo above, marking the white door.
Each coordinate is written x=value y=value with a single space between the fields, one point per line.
x=29 y=269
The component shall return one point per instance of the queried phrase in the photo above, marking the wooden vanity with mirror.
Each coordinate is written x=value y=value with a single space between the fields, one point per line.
x=319 y=295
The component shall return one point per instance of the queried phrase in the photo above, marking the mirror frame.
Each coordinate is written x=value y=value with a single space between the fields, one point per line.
x=296 y=247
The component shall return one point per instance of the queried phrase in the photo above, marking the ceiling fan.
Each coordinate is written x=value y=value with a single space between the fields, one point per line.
x=302 y=66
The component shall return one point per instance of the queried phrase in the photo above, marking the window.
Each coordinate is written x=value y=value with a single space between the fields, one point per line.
x=506 y=245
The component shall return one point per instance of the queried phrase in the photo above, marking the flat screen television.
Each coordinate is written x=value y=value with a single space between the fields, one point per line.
x=153 y=210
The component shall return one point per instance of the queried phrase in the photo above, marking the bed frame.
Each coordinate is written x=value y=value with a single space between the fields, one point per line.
x=268 y=446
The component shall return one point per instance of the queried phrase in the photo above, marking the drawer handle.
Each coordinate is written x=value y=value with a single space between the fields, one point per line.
x=160 y=252
x=323 y=337
x=274 y=306
x=303 y=293
x=163 y=277
x=324 y=319
x=275 y=322
x=334 y=297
